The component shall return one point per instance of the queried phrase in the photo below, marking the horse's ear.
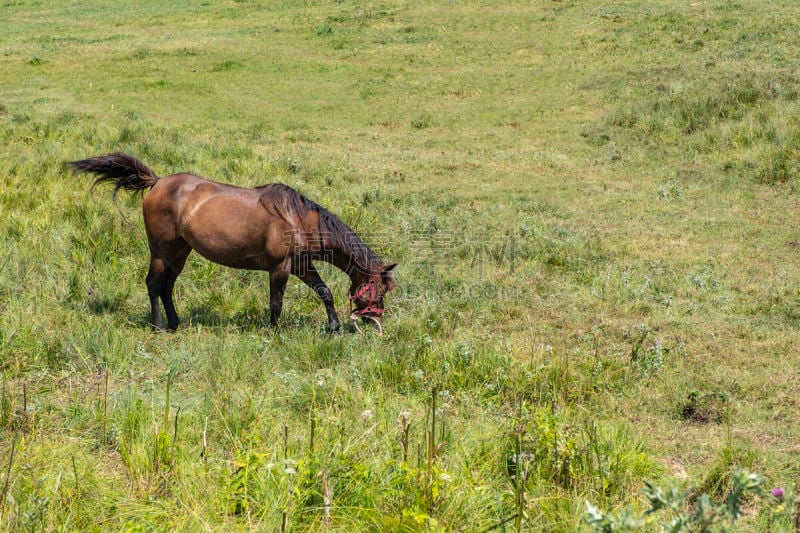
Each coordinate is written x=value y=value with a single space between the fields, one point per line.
x=387 y=277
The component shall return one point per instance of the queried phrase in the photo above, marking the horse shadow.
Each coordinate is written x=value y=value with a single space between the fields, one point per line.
x=207 y=317
x=241 y=321
x=104 y=306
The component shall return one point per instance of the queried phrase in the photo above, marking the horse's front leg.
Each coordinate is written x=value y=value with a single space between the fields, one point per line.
x=310 y=277
x=277 y=286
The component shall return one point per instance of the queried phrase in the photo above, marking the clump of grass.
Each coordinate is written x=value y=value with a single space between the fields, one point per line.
x=227 y=66
x=781 y=163
x=148 y=454
x=142 y=53
x=161 y=84
x=422 y=121
x=696 y=105
x=582 y=457
x=705 y=514
x=717 y=481
x=734 y=110
x=705 y=408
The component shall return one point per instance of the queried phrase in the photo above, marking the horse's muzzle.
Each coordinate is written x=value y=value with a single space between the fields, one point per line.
x=355 y=316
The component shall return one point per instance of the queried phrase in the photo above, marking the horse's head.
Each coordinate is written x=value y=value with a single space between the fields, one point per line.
x=366 y=295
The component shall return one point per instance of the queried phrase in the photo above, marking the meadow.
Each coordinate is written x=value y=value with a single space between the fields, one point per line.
x=594 y=208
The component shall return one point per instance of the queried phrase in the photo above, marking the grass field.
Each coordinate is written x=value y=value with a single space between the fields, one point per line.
x=594 y=207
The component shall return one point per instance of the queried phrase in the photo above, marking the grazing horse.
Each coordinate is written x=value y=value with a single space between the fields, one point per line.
x=272 y=228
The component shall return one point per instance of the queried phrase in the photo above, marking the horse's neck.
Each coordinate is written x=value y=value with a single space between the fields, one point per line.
x=352 y=259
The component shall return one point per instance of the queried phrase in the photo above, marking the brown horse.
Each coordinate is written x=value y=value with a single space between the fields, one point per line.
x=271 y=228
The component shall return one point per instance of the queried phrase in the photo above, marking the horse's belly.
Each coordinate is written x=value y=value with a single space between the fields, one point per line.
x=231 y=235
x=225 y=249
x=238 y=260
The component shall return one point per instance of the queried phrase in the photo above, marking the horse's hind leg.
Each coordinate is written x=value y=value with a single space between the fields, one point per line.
x=277 y=286
x=155 y=280
x=165 y=266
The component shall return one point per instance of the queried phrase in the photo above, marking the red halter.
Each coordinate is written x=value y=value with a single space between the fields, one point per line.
x=367 y=287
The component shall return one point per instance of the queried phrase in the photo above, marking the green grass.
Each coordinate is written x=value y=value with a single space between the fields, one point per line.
x=594 y=211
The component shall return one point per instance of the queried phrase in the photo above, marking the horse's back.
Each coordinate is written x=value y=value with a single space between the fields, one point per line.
x=224 y=223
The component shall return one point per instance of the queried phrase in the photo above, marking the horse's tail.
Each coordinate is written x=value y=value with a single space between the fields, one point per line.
x=124 y=171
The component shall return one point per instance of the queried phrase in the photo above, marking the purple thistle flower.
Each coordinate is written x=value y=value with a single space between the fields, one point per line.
x=778 y=494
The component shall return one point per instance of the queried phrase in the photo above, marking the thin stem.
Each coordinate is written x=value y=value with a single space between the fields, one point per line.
x=105 y=409
x=205 y=441
x=499 y=524
x=174 y=437
x=8 y=478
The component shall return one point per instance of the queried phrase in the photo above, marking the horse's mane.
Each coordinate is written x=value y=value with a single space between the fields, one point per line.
x=290 y=205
